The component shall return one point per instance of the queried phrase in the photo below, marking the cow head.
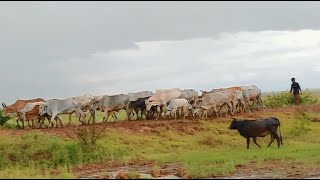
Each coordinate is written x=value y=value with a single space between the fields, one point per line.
x=43 y=109
x=148 y=104
x=234 y=124
x=6 y=111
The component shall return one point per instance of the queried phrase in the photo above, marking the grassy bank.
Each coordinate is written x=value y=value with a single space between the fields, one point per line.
x=209 y=150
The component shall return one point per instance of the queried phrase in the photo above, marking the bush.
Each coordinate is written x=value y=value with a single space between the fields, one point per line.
x=3 y=120
x=302 y=122
x=286 y=98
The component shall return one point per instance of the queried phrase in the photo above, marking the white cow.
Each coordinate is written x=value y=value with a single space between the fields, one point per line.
x=56 y=107
x=252 y=93
x=175 y=105
x=214 y=101
x=142 y=94
x=87 y=106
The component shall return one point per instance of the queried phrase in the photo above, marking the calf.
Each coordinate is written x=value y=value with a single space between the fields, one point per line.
x=33 y=115
x=258 y=128
x=137 y=105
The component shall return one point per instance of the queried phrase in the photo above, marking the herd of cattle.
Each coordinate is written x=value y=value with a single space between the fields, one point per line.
x=170 y=102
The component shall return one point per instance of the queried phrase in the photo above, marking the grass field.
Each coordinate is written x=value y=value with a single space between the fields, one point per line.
x=204 y=148
x=210 y=149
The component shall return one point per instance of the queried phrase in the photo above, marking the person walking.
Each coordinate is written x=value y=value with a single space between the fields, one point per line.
x=295 y=88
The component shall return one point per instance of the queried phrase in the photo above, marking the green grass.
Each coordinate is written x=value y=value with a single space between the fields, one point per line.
x=215 y=150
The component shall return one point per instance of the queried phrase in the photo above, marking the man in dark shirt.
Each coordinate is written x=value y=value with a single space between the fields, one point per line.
x=295 y=87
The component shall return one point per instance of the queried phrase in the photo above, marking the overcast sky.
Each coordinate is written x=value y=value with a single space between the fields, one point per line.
x=66 y=49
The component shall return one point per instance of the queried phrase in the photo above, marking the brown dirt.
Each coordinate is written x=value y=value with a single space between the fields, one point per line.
x=187 y=126
x=279 y=168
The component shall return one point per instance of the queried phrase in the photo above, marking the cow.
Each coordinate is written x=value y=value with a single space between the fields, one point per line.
x=110 y=104
x=137 y=105
x=55 y=107
x=86 y=101
x=196 y=112
x=27 y=108
x=161 y=97
x=177 y=104
x=190 y=95
x=234 y=93
x=32 y=114
x=258 y=128
x=142 y=94
x=152 y=112
x=252 y=93
x=214 y=101
x=15 y=107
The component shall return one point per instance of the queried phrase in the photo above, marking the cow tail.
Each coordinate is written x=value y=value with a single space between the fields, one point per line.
x=280 y=135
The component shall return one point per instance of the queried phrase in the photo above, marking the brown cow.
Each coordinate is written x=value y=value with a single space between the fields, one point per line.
x=18 y=105
x=33 y=115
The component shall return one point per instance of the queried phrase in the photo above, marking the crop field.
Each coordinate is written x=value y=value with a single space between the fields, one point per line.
x=188 y=148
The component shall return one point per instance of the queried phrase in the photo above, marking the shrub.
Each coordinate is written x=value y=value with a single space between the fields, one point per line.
x=286 y=98
x=302 y=122
x=3 y=120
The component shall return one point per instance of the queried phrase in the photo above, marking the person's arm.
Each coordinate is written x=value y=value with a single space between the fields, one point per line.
x=299 y=88
x=291 y=88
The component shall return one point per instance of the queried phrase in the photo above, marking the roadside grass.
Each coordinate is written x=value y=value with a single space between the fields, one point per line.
x=215 y=150
x=33 y=173
x=212 y=151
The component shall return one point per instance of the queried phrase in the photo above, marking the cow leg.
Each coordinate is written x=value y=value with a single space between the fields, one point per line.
x=18 y=125
x=159 y=113
x=29 y=124
x=107 y=114
x=255 y=141
x=272 y=139
x=141 y=114
x=69 y=119
x=128 y=112
x=248 y=142
x=48 y=118
x=274 y=133
x=22 y=122
x=60 y=121
x=56 y=122
x=114 y=117
x=185 y=112
x=231 y=110
x=32 y=124
x=260 y=102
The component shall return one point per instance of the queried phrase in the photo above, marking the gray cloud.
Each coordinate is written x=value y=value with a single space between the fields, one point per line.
x=47 y=49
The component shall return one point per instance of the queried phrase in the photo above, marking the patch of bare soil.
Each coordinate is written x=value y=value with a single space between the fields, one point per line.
x=274 y=169
x=117 y=169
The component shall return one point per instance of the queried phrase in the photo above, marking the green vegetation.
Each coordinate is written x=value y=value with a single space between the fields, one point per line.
x=3 y=120
x=213 y=150
x=285 y=98
x=208 y=150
